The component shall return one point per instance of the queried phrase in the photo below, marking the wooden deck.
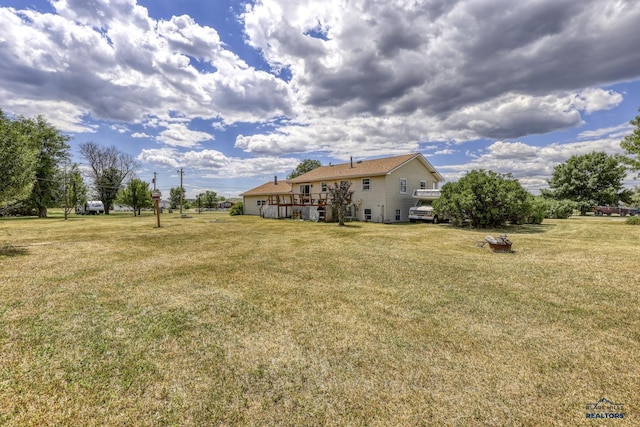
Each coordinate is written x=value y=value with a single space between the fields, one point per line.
x=288 y=205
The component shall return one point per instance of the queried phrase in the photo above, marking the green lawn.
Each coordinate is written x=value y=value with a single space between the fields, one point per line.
x=219 y=320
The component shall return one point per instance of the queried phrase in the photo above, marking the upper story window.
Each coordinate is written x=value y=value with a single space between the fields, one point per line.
x=305 y=189
x=423 y=184
x=366 y=184
x=403 y=185
x=323 y=187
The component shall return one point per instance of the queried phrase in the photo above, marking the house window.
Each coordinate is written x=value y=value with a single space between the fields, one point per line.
x=305 y=189
x=262 y=202
x=398 y=215
x=423 y=184
x=367 y=214
x=324 y=187
x=366 y=184
x=348 y=212
x=403 y=185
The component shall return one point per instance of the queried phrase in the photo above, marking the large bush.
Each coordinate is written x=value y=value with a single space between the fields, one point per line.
x=560 y=209
x=634 y=220
x=484 y=199
x=539 y=209
x=237 y=209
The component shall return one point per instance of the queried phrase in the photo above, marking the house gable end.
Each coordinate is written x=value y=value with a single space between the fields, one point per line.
x=426 y=164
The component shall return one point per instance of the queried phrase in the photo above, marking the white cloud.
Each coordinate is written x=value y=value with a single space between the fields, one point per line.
x=178 y=135
x=140 y=135
x=618 y=131
x=120 y=128
x=161 y=157
x=472 y=69
x=112 y=61
x=594 y=99
x=217 y=165
x=517 y=151
x=367 y=77
x=444 y=152
x=340 y=139
x=62 y=115
x=533 y=165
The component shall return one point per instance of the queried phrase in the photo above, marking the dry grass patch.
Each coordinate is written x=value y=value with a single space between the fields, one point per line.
x=110 y=321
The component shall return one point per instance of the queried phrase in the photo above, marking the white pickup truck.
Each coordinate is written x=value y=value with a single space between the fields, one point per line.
x=422 y=210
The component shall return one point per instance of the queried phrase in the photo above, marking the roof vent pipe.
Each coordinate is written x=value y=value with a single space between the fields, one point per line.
x=275 y=180
x=351 y=162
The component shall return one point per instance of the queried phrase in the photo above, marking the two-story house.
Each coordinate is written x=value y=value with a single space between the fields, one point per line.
x=383 y=190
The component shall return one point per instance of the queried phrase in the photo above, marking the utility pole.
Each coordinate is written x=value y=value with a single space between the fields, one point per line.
x=66 y=197
x=157 y=204
x=181 y=172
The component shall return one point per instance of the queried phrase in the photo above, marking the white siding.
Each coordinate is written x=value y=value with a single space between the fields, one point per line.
x=414 y=172
x=250 y=204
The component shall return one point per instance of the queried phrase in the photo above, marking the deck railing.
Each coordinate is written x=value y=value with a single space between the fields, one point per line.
x=311 y=199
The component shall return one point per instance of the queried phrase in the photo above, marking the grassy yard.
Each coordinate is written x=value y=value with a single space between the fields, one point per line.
x=219 y=320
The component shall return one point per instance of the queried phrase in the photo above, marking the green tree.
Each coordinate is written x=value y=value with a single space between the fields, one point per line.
x=52 y=149
x=176 y=194
x=484 y=199
x=74 y=189
x=17 y=159
x=307 y=165
x=209 y=199
x=635 y=196
x=108 y=168
x=136 y=195
x=631 y=145
x=107 y=186
x=589 y=180
x=340 y=195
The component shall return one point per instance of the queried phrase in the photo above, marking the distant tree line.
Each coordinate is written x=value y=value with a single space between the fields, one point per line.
x=36 y=173
x=484 y=199
x=33 y=159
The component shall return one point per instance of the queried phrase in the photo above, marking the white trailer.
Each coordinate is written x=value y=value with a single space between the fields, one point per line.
x=423 y=210
x=91 y=207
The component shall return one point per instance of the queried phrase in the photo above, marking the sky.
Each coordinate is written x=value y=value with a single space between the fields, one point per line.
x=237 y=92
